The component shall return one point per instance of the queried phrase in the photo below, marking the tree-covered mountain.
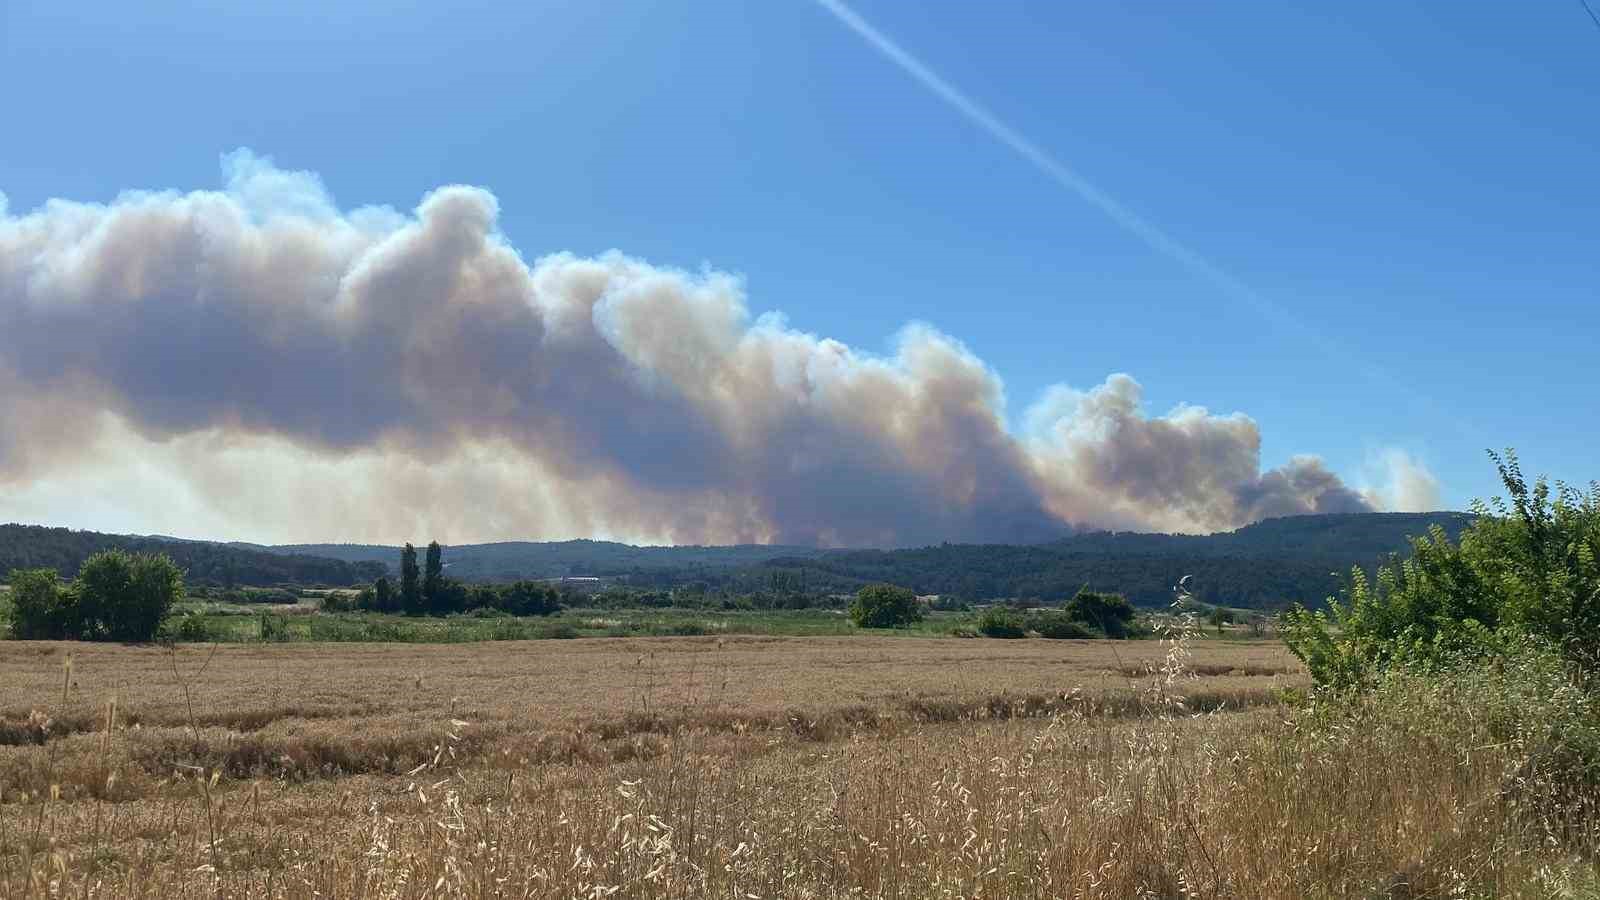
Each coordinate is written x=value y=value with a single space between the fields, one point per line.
x=1267 y=564
x=513 y=560
x=62 y=549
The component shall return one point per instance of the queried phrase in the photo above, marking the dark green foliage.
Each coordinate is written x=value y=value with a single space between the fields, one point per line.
x=410 y=586
x=255 y=595
x=449 y=596
x=383 y=596
x=223 y=565
x=118 y=596
x=522 y=598
x=1527 y=567
x=885 y=606
x=42 y=606
x=1000 y=622
x=1110 y=614
x=1057 y=624
x=1266 y=565
x=528 y=598
x=433 y=580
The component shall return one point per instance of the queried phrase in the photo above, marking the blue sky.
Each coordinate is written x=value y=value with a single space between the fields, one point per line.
x=1414 y=186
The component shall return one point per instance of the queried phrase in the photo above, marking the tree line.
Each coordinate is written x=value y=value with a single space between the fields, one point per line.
x=426 y=591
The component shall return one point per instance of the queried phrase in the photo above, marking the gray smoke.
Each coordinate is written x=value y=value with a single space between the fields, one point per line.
x=269 y=357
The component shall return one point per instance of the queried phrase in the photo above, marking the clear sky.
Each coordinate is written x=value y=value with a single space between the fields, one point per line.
x=1413 y=188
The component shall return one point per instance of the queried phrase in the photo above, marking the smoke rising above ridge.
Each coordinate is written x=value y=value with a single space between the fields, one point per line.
x=256 y=355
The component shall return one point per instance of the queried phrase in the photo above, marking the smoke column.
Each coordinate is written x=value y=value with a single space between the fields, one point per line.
x=256 y=360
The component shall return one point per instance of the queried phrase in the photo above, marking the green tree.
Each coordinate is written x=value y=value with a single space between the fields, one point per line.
x=124 y=596
x=383 y=595
x=529 y=598
x=1110 y=614
x=155 y=584
x=42 y=606
x=118 y=596
x=410 y=589
x=885 y=606
x=433 y=580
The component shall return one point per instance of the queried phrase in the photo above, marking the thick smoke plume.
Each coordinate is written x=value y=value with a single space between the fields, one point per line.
x=258 y=356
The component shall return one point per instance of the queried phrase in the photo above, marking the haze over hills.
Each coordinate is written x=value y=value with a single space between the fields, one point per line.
x=1265 y=564
x=204 y=562
x=511 y=560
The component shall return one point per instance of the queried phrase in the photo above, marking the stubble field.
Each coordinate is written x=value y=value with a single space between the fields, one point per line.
x=741 y=767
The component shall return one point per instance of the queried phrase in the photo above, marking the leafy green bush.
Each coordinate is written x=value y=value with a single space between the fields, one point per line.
x=118 y=596
x=885 y=606
x=1060 y=626
x=42 y=606
x=999 y=622
x=188 y=628
x=1527 y=567
x=1109 y=614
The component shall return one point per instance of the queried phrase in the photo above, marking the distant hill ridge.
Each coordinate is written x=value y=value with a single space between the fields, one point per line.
x=1268 y=563
x=204 y=562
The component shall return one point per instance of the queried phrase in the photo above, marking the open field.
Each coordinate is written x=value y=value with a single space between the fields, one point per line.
x=748 y=767
x=272 y=695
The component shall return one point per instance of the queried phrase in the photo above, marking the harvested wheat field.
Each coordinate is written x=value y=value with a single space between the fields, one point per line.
x=864 y=766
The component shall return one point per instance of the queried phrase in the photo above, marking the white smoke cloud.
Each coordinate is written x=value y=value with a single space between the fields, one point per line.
x=1402 y=483
x=284 y=369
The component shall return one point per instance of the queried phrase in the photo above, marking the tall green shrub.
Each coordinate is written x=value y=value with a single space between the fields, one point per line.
x=118 y=596
x=885 y=606
x=410 y=584
x=42 y=606
x=1525 y=567
x=1110 y=614
x=999 y=622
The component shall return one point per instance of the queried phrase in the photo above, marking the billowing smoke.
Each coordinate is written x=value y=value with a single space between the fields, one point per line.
x=257 y=355
x=1404 y=483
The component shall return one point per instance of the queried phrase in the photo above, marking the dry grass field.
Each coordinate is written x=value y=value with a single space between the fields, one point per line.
x=786 y=767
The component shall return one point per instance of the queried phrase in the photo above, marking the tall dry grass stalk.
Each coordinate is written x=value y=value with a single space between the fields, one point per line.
x=1093 y=795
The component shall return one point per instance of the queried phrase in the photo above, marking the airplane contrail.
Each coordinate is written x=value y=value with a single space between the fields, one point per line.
x=1057 y=170
x=1142 y=228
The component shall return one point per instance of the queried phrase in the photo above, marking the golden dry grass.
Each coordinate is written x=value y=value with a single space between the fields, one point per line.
x=310 y=710
x=754 y=768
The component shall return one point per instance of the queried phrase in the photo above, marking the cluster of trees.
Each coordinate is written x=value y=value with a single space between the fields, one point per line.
x=1089 y=614
x=117 y=596
x=426 y=591
x=1526 y=570
x=65 y=550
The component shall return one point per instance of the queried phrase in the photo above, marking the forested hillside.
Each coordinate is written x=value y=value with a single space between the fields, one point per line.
x=62 y=549
x=1268 y=564
x=513 y=560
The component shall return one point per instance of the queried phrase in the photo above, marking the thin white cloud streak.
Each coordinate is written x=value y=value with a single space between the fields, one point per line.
x=1145 y=230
